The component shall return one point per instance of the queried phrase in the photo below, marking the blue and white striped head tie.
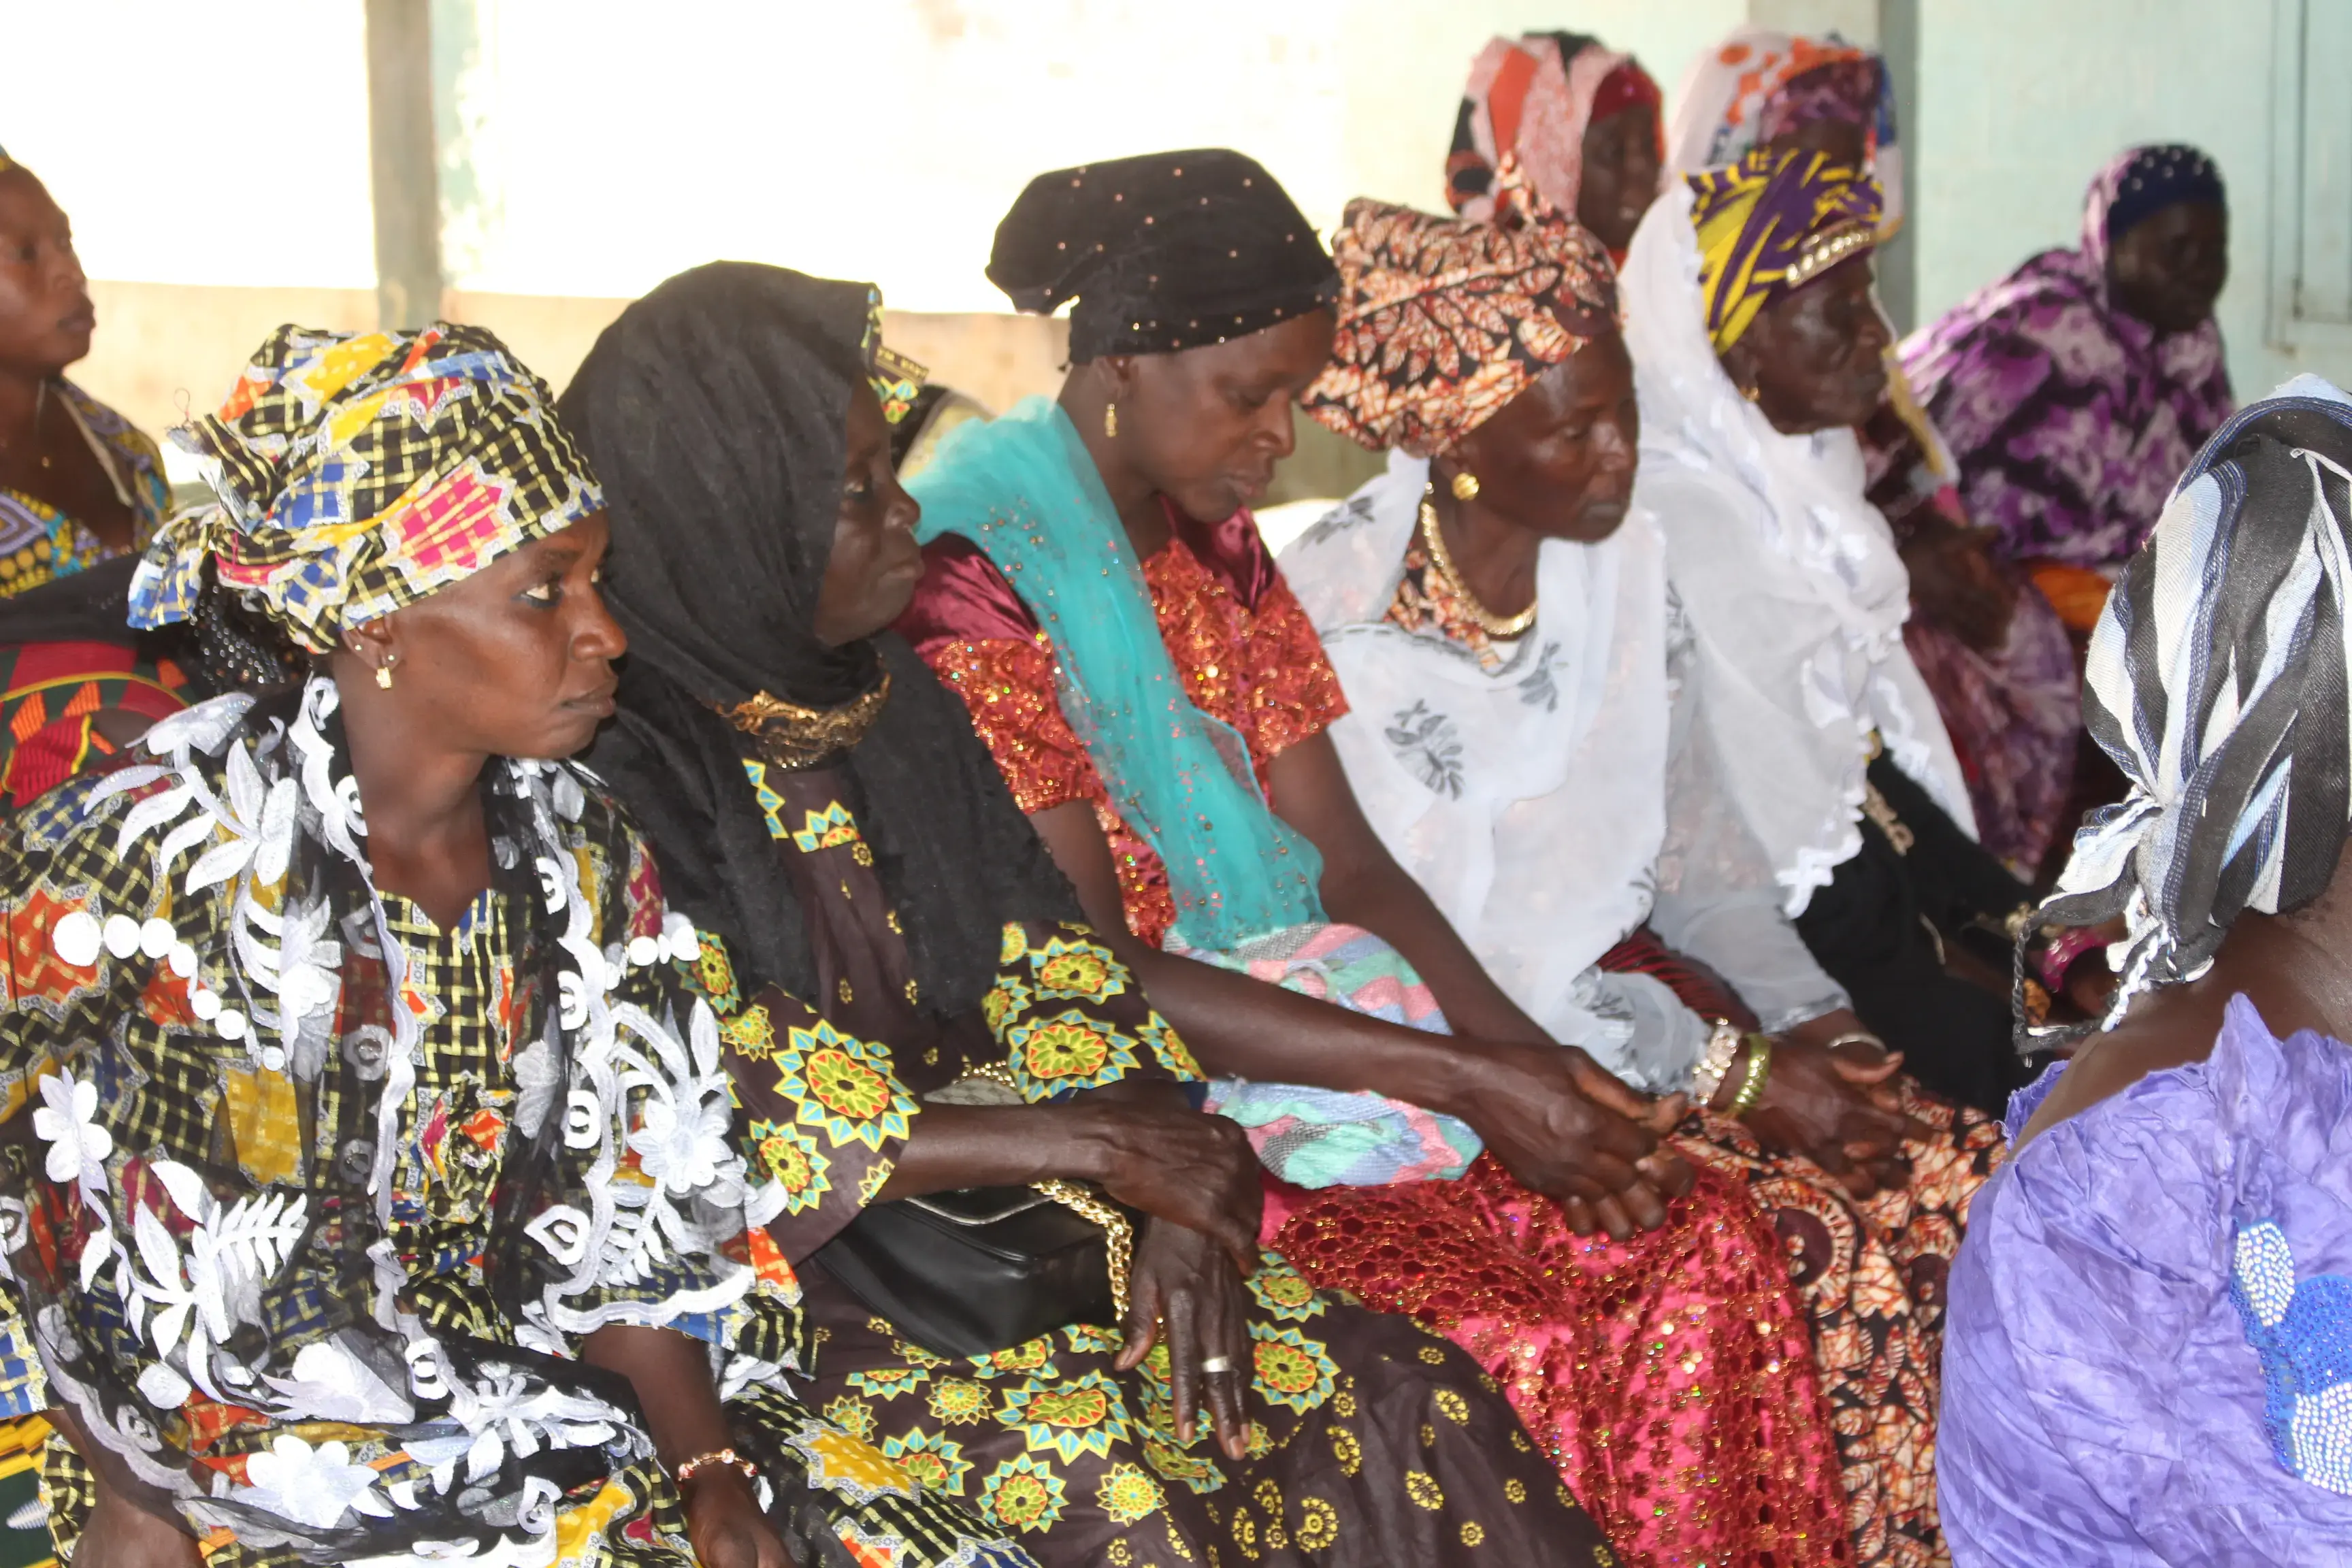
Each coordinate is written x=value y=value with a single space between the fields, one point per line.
x=2217 y=681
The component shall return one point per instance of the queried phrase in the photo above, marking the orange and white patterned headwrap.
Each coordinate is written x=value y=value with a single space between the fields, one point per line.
x=1442 y=322
x=359 y=472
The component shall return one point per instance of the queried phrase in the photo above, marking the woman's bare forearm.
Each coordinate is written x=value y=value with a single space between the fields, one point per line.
x=1241 y=1028
x=1390 y=904
x=671 y=1372
x=957 y=1146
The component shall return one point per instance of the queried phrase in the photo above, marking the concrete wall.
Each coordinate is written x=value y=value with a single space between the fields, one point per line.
x=214 y=158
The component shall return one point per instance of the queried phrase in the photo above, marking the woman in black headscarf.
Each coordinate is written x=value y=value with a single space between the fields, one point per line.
x=917 y=1011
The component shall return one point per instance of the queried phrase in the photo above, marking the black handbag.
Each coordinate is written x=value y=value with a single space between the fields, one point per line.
x=980 y=1269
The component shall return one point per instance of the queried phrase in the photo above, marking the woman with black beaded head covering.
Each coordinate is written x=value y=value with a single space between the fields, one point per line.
x=911 y=1009
x=1098 y=594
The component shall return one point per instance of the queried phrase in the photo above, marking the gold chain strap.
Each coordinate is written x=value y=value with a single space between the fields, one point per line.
x=1120 y=1236
x=1118 y=1233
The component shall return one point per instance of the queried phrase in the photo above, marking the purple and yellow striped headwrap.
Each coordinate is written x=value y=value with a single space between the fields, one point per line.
x=1770 y=224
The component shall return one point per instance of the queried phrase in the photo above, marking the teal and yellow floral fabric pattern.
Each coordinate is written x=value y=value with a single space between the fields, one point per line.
x=1370 y=1441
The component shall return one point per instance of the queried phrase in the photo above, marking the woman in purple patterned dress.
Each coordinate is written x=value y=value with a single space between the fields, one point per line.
x=2073 y=392
x=2144 y=1361
x=2070 y=393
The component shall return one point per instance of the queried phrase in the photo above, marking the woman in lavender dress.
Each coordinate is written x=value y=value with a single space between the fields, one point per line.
x=2146 y=1359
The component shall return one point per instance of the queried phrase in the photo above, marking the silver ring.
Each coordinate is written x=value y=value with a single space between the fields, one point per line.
x=1215 y=1363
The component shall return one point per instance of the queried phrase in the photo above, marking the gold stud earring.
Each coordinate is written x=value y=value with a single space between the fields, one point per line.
x=1110 y=421
x=1751 y=393
x=383 y=670
x=1465 y=486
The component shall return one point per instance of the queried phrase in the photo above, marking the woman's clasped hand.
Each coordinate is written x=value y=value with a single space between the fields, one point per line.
x=1565 y=1128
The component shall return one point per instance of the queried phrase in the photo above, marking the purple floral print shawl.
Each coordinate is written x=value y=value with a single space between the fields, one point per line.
x=2069 y=419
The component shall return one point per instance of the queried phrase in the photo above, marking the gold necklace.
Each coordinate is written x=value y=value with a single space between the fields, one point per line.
x=791 y=736
x=1493 y=625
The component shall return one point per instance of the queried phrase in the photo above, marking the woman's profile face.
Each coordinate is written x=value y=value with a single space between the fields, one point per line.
x=2168 y=268
x=871 y=574
x=1559 y=459
x=515 y=660
x=1206 y=426
x=1621 y=174
x=45 y=315
x=1846 y=140
x=1817 y=357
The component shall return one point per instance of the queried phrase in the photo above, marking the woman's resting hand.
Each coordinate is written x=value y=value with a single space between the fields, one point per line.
x=724 y=1524
x=1839 y=1109
x=1153 y=1152
x=1955 y=583
x=1563 y=1126
x=1183 y=1287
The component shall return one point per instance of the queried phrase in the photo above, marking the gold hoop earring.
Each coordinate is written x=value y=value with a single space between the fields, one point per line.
x=1465 y=486
x=383 y=670
x=1110 y=421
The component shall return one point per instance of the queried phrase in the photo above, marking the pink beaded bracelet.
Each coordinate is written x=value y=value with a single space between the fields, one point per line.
x=2064 y=948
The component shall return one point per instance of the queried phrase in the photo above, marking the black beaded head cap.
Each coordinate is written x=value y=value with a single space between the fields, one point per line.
x=1161 y=252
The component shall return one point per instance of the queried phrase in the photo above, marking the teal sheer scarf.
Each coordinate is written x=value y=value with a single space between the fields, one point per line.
x=1024 y=488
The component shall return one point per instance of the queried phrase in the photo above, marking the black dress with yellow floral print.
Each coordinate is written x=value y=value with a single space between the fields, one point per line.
x=1370 y=1441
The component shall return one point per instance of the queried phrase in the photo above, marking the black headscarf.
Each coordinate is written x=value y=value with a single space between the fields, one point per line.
x=1162 y=252
x=715 y=411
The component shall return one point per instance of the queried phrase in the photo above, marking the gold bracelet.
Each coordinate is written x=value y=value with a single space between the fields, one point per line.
x=1722 y=1046
x=688 y=1468
x=1751 y=1088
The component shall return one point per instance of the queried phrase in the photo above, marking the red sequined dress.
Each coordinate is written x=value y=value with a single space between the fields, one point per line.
x=1670 y=1377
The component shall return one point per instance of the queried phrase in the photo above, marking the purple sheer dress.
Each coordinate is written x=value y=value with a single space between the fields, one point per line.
x=2145 y=1362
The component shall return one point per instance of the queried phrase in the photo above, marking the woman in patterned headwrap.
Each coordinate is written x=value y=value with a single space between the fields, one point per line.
x=1499 y=623
x=879 y=890
x=79 y=484
x=2146 y=1365
x=367 y=1162
x=1988 y=646
x=1756 y=346
x=1583 y=121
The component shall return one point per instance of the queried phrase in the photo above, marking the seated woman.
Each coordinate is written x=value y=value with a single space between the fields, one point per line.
x=1757 y=346
x=2144 y=1364
x=370 y=1189
x=1170 y=645
x=1499 y=624
x=900 y=939
x=1986 y=643
x=79 y=484
x=2074 y=391
x=1583 y=121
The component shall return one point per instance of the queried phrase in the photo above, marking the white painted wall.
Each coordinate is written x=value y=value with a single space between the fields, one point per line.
x=591 y=147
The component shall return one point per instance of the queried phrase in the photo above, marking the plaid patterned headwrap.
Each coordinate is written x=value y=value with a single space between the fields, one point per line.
x=359 y=472
x=1767 y=226
x=1442 y=322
